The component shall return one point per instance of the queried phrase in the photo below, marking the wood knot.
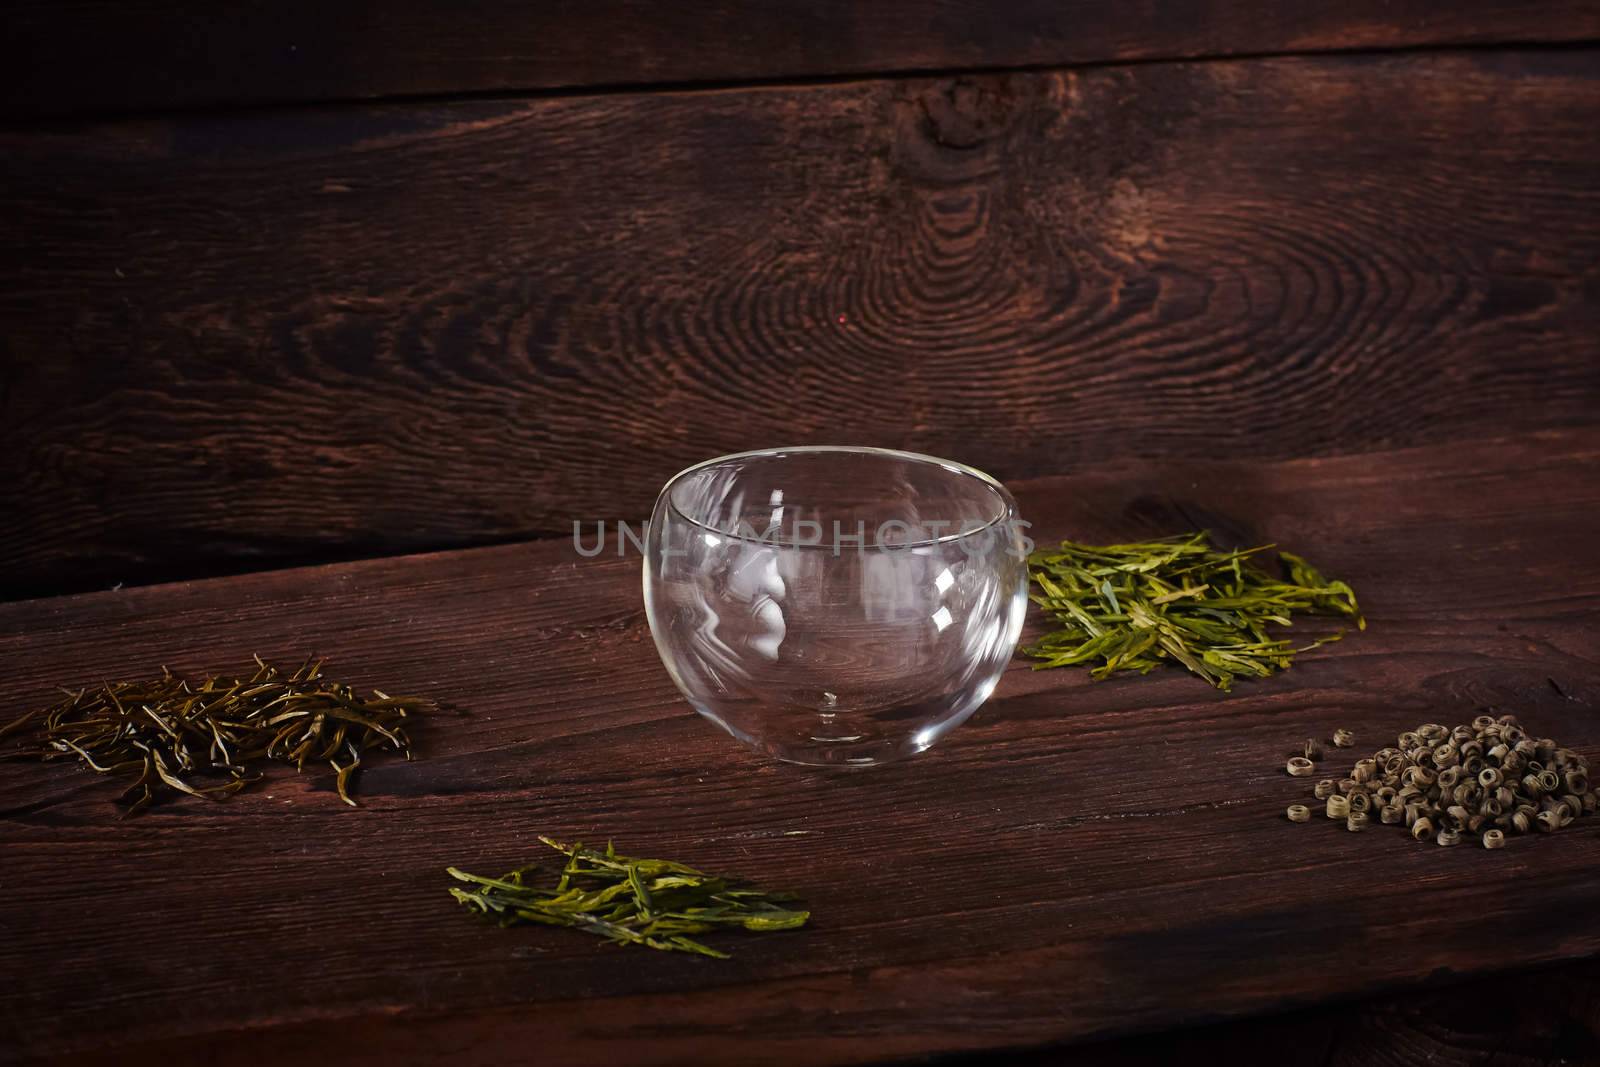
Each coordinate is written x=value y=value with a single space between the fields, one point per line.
x=964 y=113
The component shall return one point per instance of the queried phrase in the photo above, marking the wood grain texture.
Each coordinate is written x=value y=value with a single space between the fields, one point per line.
x=231 y=343
x=99 y=56
x=1541 y=1018
x=1080 y=859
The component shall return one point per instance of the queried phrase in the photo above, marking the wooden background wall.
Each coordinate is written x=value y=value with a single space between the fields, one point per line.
x=306 y=281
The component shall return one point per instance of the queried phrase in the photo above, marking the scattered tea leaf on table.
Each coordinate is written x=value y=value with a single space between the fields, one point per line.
x=1133 y=607
x=172 y=736
x=626 y=900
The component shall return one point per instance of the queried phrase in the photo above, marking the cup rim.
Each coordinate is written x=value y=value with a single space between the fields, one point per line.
x=1008 y=510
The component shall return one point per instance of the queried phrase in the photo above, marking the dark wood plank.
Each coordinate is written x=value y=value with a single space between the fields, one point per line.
x=101 y=56
x=1080 y=859
x=232 y=343
x=1546 y=1016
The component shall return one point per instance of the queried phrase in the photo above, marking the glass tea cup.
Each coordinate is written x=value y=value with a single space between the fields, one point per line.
x=831 y=605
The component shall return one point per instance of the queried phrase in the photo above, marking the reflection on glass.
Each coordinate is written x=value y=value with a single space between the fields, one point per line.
x=835 y=606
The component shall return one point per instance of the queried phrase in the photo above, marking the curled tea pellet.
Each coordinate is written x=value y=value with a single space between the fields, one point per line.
x=1312 y=750
x=1558 y=807
x=1359 y=802
x=1300 y=767
x=1356 y=820
x=1325 y=789
x=1572 y=807
x=1343 y=739
x=1418 y=776
x=1391 y=814
x=1422 y=829
x=1493 y=839
x=1299 y=813
x=1521 y=822
x=1490 y=778
x=1548 y=821
x=1448 y=837
x=1338 y=807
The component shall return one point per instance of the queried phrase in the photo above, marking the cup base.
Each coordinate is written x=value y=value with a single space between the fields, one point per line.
x=833 y=736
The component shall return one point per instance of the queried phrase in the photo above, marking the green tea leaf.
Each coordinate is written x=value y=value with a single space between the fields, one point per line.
x=627 y=901
x=1135 y=606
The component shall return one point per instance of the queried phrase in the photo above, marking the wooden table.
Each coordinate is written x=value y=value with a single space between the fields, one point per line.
x=1081 y=859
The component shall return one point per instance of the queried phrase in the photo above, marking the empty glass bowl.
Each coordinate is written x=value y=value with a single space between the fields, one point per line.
x=835 y=605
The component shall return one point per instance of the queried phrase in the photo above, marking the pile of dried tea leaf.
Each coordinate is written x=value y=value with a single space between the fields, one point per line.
x=169 y=736
x=629 y=901
x=1136 y=606
x=1484 y=779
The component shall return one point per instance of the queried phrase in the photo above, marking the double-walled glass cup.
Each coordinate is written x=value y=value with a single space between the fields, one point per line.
x=835 y=605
